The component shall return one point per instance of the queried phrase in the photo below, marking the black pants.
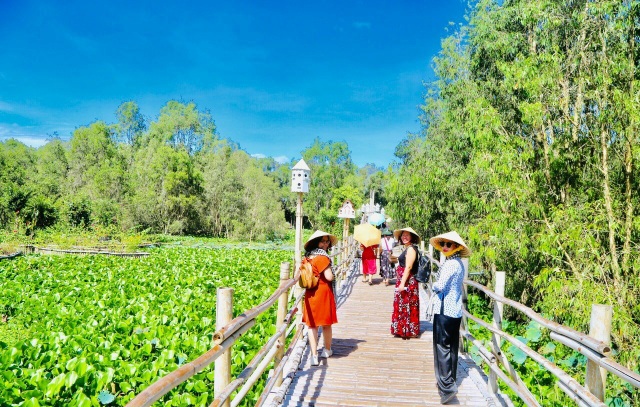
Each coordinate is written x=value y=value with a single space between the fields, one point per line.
x=446 y=336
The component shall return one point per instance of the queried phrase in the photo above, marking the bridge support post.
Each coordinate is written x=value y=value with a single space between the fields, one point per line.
x=283 y=301
x=224 y=315
x=600 y=329
x=498 y=309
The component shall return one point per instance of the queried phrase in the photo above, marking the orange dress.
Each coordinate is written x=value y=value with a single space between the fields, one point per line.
x=320 y=302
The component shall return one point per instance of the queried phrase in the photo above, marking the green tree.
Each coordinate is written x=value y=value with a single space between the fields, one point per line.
x=331 y=168
x=241 y=200
x=166 y=190
x=184 y=126
x=131 y=124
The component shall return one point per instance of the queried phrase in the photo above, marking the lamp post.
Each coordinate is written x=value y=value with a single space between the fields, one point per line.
x=300 y=178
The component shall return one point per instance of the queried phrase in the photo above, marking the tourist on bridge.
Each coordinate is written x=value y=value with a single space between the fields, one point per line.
x=405 y=320
x=448 y=312
x=369 y=258
x=320 y=302
x=387 y=271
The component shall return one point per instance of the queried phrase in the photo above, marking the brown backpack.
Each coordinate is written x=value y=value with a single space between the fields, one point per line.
x=308 y=279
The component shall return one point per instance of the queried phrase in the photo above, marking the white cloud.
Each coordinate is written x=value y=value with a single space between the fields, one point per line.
x=22 y=134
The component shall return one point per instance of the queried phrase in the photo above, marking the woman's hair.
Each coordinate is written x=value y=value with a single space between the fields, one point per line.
x=314 y=245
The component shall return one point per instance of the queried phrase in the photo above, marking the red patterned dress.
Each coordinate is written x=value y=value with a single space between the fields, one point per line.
x=405 y=320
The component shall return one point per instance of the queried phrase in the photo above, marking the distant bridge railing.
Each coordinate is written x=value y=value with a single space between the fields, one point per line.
x=276 y=349
x=595 y=350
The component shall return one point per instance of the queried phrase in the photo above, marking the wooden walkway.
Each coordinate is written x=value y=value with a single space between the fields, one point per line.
x=370 y=367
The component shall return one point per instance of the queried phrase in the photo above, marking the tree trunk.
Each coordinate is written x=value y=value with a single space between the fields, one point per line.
x=628 y=157
x=603 y=105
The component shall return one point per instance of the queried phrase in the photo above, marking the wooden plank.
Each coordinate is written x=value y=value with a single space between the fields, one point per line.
x=370 y=367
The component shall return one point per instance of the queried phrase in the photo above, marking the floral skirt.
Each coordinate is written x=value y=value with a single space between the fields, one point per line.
x=405 y=320
x=386 y=267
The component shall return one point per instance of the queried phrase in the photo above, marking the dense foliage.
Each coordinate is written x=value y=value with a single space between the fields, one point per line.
x=530 y=150
x=173 y=175
x=82 y=330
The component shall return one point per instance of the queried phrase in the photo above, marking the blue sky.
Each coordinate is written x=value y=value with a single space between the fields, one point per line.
x=274 y=75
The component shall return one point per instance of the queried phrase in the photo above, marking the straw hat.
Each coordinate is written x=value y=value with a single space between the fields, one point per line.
x=317 y=235
x=398 y=233
x=452 y=236
x=386 y=232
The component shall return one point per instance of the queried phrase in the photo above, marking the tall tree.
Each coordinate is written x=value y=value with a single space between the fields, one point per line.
x=184 y=126
x=131 y=124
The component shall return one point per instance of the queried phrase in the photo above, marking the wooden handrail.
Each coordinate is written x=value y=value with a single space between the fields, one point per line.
x=584 y=339
x=593 y=349
x=241 y=319
x=167 y=383
x=569 y=381
x=225 y=337
x=242 y=377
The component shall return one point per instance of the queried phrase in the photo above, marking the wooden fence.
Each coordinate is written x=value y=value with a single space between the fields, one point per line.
x=276 y=349
x=81 y=251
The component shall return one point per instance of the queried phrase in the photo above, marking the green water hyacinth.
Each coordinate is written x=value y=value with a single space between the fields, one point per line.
x=91 y=331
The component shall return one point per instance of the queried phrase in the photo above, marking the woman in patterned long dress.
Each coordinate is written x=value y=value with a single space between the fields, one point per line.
x=320 y=302
x=387 y=271
x=448 y=312
x=405 y=320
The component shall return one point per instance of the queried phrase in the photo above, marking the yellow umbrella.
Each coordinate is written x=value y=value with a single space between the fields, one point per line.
x=367 y=234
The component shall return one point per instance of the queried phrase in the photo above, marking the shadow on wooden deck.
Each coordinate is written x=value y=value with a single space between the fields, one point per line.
x=370 y=367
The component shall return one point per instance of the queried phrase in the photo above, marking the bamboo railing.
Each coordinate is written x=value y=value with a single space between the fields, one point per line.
x=595 y=350
x=276 y=349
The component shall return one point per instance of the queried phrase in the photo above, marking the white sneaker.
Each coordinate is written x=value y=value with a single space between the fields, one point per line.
x=326 y=353
x=314 y=360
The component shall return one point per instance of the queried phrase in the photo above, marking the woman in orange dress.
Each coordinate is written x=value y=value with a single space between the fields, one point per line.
x=320 y=302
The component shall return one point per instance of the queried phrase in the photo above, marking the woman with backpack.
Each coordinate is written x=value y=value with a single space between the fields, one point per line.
x=447 y=313
x=319 y=301
x=405 y=320
x=387 y=271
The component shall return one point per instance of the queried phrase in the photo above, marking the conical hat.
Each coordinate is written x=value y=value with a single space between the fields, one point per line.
x=317 y=235
x=397 y=233
x=452 y=236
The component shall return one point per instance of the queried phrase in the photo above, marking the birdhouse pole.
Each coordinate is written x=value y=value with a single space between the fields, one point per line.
x=300 y=180
x=346 y=212
x=298 y=250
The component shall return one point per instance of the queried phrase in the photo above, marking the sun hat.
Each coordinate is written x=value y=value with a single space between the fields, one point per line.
x=452 y=236
x=386 y=232
x=398 y=233
x=317 y=235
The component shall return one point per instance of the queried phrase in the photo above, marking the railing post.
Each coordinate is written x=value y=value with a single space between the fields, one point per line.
x=283 y=301
x=337 y=250
x=224 y=315
x=498 y=308
x=463 y=324
x=600 y=329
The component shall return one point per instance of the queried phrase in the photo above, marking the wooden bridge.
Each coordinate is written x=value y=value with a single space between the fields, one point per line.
x=369 y=366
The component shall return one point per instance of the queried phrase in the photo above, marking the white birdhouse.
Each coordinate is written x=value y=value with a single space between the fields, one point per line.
x=346 y=210
x=300 y=177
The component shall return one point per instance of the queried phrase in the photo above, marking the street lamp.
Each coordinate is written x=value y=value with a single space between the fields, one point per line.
x=300 y=179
